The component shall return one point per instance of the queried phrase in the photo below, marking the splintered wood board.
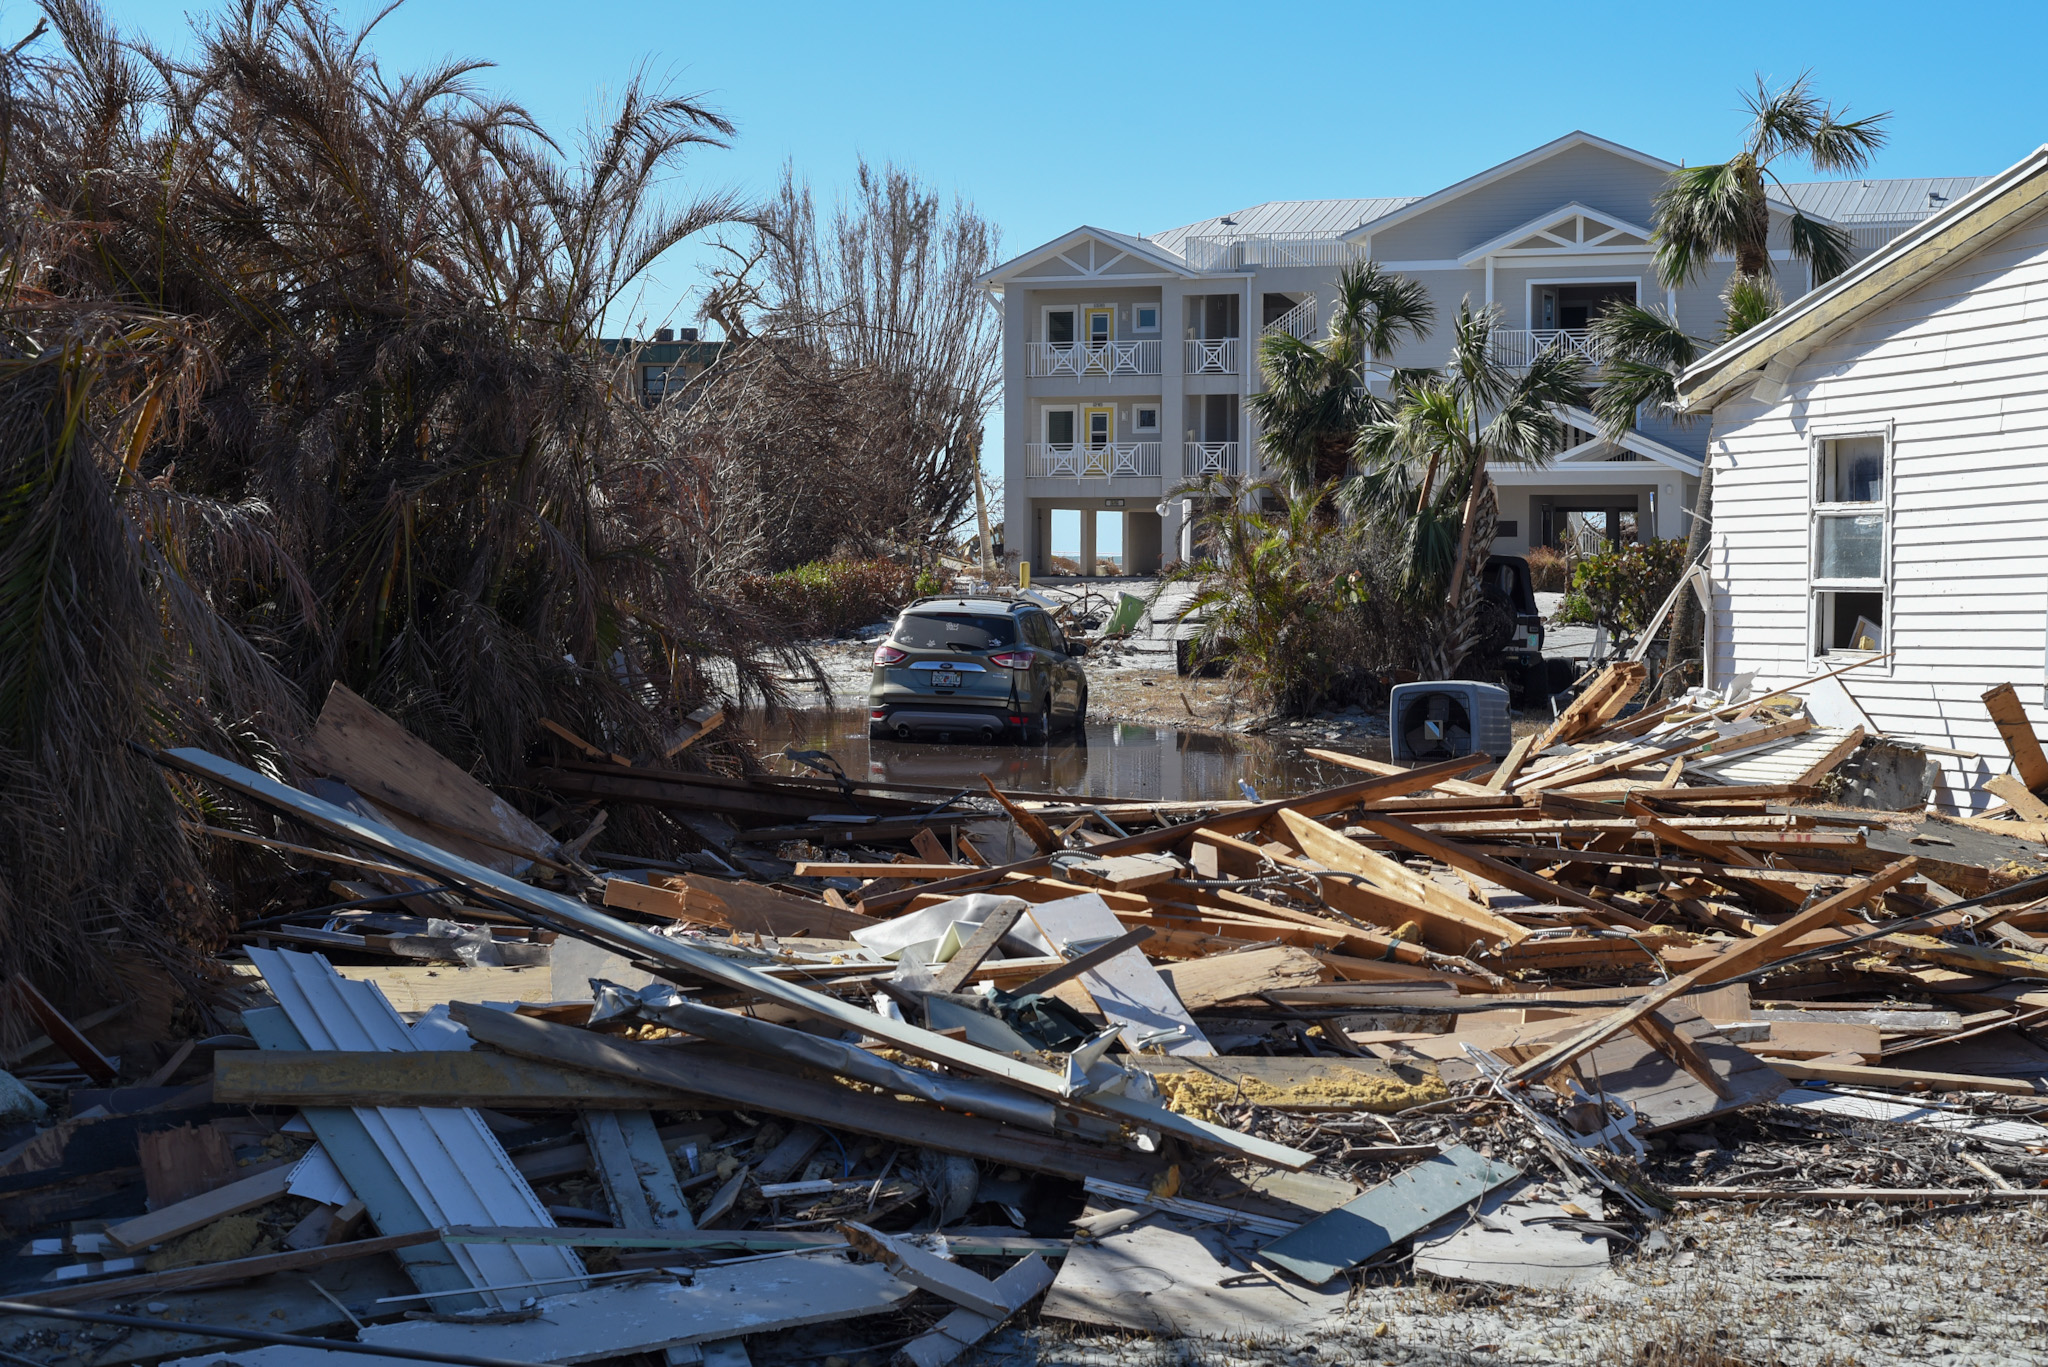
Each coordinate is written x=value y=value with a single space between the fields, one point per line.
x=1127 y=989
x=398 y=771
x=1201 y=983
x=412 y=988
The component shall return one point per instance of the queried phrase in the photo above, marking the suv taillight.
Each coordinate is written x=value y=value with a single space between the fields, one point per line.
x=1011 y=659
x=888 y=655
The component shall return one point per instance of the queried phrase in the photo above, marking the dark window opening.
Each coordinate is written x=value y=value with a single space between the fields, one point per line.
x=954 y=631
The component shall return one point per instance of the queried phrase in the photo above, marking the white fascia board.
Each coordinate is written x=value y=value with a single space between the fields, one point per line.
x=1122 y=242
x=1635 y=442
x=1507 y=168
x=1542 y=222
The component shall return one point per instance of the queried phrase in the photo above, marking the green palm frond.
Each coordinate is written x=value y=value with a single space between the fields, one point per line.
x=1747 y=301
x=1700 y=211
x=1823 y=246
x=1641 y=351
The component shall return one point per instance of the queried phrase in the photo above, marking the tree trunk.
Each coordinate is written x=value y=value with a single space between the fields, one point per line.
x=1453 y=641
x=1753 y=251
x=1686 y=619
x=1472 y=497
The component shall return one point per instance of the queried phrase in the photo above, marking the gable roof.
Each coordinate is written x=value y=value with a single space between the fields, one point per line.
x=1127 y=244
x=1772 y=349
x=1540 y=226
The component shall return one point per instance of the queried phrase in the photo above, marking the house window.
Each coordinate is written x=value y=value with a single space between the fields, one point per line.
x=1144 y=317
x=1850 y=526
x=1059 y=327
x=1147 y=419
x=1059 y=426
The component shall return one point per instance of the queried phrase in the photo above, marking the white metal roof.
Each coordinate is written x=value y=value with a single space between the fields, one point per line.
x=1332 y=217
x=1865 y=200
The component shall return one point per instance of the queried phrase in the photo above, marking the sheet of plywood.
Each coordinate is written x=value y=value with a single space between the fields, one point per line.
x=410 y=779
x=412 y=988
x=1127 y=989
x=1201 y=983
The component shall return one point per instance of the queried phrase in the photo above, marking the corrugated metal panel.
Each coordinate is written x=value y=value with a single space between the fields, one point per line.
x=1334 y=217
x=1906 y=199
x=1784 y=762
x=448 y=1160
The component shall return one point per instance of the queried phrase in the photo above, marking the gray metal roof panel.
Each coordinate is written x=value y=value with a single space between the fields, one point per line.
x=1865 y=200
x=1332 y=216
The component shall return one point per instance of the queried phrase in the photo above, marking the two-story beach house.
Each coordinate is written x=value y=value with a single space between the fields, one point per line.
x=1127 y=359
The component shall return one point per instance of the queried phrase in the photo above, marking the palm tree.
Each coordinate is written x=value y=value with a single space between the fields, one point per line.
x=1315 y=400
x=1724 y=209
x=1430 y=454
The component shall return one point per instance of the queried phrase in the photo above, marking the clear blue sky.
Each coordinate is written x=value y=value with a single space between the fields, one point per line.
x=1142 y=116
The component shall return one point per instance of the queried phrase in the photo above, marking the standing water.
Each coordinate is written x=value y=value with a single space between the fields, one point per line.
x=1131 y=761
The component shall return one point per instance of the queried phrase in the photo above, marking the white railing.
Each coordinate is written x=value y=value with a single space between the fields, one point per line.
x=1299 y=321
x=1212 y=356
x=1868 y=232
x=1199 y=458
x=1093 y=359
x=1271 y=250
x=1085 y=460
x=1520 y=346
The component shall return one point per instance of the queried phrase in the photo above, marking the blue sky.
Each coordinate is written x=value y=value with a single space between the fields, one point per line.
x=1142 y=116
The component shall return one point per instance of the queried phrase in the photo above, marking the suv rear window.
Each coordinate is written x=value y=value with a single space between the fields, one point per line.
x=946 y=630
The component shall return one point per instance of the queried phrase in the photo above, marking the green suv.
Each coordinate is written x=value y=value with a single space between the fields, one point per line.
x=976 y=669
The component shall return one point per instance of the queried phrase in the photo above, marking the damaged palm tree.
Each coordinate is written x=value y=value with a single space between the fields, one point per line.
x=1423 y=467
x=299 y=384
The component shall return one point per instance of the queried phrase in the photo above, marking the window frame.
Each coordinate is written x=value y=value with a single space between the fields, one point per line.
x=1045 y=423
x=1045 y=324
x=1138 y=410
x=1158 y=318
x=1820 y=588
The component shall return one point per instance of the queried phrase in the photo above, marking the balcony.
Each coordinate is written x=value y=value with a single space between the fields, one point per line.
x=1520 y=346
x=1273 y=250
x=1212 y=356
x=1092 y=360
x=1078 y=460
x=1202 y=458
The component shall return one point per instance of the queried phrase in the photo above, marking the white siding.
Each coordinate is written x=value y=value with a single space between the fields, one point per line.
x=1959 y=369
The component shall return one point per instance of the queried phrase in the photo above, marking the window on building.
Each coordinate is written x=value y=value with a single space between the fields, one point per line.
x=1147 y=419
x=1059 y=426
x=1145 y=318
x=1059 y=327
x=1851 y=566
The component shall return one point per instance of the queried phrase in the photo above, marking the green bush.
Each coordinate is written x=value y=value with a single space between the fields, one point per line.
x=1622 y=589
x=832 y=597
x=1549 y=571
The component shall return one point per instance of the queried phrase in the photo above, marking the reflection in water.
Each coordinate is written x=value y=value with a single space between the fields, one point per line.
x=1127 y=760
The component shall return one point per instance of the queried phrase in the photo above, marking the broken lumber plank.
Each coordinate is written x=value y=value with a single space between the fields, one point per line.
x=1083 y=963
x=1904 y=1194
x=1125 y=872
x=695 y=727
x=964 y=1328
x=1450 y=923
x=410 y=779
x=432 y=1077
x=958 y=969
x=1908 y=1079
x=1597 y=704
x=225 y=1272
x=2010 y=716
x=1127 y=989
x=62 y=1033
x=1825 y=765
x=745 y=907
x=1201 y=983
x=928 y=1271
x=204 y=1209
x=1165 y=837
x=1460 y=857
x=1034 y=830
x=1517 y=756
x=1449 y=783
x=821 y=868
x=2029 y=807
x=1736 y=959
x=705 y=1072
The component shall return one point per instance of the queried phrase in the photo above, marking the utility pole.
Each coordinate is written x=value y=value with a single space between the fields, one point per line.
x=981 y=511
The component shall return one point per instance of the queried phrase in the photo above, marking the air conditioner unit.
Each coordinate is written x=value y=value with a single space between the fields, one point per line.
x=1447 y=719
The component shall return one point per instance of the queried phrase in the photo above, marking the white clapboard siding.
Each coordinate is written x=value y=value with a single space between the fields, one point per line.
x=1785 y=762
x=1959 y=368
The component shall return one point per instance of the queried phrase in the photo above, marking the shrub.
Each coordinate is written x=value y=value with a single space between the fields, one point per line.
x=1621 y=589
x=1549 y=571
x=832 y=597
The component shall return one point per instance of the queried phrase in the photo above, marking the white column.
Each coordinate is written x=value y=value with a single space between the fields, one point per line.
x=1489 y=282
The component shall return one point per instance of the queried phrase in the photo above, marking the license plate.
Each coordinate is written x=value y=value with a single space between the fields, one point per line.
x=945 y=678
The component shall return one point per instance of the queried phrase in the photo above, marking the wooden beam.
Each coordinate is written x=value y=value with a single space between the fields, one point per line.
x=2024 y=802
x=1518 y=755
x=432 y=1077
x=222 y=1273
x=1908 y=1078
x=1449 y=922
x=203 y=1209
x=1035 y=830
x=2028 y=761
x=1737 y=959
x=958 y=969
x=1500 y=871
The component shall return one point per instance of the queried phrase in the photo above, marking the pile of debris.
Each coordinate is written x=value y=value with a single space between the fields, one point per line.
x=1187 y=1069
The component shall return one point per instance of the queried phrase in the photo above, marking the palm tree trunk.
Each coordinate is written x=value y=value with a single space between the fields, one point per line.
x=1685 y=613
x=1753 y=253
x=1472 y=497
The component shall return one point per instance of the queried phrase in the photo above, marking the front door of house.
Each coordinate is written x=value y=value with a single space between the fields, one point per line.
x=1100 y=426
x=1100 y=322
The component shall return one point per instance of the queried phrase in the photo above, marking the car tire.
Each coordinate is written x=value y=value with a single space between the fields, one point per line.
x=1040 y=731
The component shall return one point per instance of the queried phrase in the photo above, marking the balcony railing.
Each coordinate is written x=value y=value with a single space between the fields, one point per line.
x=1272 y=250
x=1083 y=460
x=1212 y=356
x=1199 y=458
x=1521 y=346
x=1093 y=360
